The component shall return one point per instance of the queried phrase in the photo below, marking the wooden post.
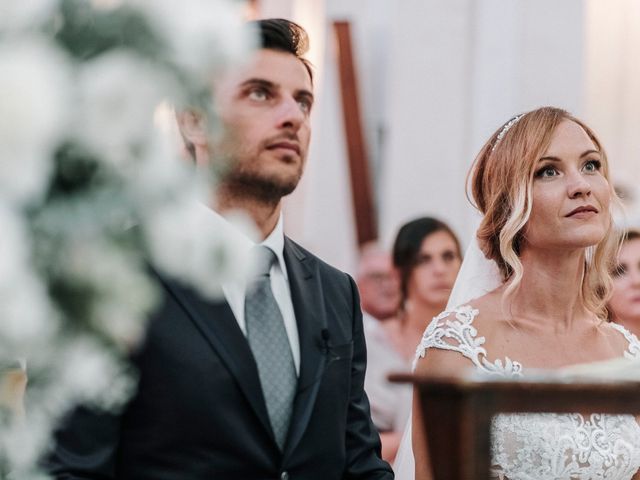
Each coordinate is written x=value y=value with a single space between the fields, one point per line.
x=361 y=189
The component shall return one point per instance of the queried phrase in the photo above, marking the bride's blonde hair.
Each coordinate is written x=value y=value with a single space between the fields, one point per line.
x=500 y=183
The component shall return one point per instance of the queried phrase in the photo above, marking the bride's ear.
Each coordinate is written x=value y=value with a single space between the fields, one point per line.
x=192 y=126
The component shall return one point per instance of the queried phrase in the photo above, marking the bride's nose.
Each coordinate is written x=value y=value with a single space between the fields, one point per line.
x=578 y=186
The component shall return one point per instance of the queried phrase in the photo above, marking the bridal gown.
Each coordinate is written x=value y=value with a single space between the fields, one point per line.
x=542 y=446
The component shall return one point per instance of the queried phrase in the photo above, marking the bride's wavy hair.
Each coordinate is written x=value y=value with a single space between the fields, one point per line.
x=500 y=183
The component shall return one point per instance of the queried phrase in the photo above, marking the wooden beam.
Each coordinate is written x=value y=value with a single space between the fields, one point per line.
x=361 y=188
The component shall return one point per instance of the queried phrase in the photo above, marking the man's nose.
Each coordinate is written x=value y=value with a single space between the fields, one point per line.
x=290 y=114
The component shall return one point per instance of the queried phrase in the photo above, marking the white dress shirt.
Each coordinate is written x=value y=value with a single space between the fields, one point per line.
x=234 y=292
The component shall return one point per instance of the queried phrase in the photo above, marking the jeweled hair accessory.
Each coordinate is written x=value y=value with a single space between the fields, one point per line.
x=506 y=128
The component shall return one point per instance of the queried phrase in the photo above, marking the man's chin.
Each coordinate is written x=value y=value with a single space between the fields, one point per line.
x=264 y=188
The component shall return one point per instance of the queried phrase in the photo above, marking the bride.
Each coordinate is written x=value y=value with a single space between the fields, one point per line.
x=542 y=185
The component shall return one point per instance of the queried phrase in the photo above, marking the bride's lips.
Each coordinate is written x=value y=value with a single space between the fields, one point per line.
x=583 y=211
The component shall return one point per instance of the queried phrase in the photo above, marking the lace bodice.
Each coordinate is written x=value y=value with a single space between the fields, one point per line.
x=543 y=446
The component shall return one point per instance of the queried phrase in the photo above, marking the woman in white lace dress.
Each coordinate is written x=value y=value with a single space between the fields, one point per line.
x=542 y=185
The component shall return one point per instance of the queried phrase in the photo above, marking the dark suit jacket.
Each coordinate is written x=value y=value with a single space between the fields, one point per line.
x=199 y=412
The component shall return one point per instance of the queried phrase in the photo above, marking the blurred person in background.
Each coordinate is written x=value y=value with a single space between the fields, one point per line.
x=379 y=288
x=624 y=304
x=378 y=284
x=426 y=257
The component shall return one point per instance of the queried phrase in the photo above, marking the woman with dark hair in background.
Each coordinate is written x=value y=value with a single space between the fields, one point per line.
x=427 y=257
x=624 y=304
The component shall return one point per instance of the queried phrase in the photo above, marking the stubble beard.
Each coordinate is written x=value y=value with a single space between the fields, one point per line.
x=258 y=186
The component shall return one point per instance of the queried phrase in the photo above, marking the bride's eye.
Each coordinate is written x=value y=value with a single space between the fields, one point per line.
x=591 y=166
x=547 y=171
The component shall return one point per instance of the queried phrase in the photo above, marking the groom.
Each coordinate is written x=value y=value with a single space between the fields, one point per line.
x=267 y=383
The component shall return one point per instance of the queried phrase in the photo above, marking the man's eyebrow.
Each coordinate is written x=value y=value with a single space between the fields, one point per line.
x=258 y=81
x=272 y=86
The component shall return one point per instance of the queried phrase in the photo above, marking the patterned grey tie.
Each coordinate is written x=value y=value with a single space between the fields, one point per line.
x=270 y=346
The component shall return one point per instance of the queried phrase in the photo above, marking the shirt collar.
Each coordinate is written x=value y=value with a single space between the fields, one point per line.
x=275 y=241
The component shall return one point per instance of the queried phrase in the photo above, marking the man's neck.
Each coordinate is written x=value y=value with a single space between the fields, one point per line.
x=264 y=214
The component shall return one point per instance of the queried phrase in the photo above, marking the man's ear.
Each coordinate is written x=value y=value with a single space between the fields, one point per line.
x=192 y=126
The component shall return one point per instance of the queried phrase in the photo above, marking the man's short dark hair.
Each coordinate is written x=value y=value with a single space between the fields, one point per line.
x=285 y=36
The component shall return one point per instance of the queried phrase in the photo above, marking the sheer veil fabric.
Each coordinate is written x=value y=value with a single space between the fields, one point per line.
x=477 y=276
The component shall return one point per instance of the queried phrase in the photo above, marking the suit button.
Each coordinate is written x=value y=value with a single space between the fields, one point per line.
x=284 y=476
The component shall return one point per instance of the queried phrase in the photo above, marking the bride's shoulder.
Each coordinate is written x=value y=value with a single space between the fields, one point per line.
x=624 y=340
x=453 y=339
x=478 y=315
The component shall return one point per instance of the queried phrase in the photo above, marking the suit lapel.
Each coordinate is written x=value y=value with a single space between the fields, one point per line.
x=219 y=326
x=308 y=304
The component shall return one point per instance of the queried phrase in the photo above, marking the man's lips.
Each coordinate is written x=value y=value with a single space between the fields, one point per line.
x=285 y=145
x=582 y=211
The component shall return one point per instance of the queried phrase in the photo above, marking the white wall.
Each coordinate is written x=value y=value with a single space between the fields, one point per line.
x=613 y=89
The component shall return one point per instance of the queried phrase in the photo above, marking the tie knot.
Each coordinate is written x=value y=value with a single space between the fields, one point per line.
x=263 y=258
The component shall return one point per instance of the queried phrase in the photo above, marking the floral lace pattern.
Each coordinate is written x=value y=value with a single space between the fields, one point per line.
x=543 y=446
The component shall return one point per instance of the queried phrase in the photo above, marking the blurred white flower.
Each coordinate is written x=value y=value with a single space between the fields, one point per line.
x=124 y=302
x=14 y=243
x=20 y=14
x=90 y=373
x=203 y=34
x=34 y=94
x=198 y=246
x=160 y=175
x=119 y=92
x=22 y=442
x=27 y=316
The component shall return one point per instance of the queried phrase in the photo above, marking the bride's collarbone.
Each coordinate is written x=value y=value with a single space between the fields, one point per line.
x=539 y=346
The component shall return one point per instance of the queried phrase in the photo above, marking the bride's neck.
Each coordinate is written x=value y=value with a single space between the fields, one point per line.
x=550 y=292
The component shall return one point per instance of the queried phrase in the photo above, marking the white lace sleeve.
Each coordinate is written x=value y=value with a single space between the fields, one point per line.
x=633 y=350
x=454 y=330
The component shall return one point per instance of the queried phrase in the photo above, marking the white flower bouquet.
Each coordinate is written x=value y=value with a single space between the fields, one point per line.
x=92 y=193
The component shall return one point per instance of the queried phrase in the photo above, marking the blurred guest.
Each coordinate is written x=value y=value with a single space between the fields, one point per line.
x=378 y=283
x=379 y=288
x=624 y=305
x=426 y=256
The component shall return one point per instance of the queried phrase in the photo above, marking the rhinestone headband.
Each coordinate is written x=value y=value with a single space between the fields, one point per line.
x=505 y=129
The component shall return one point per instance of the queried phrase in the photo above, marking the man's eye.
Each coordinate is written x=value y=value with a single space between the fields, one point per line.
x=305 y=105
x=258 y=94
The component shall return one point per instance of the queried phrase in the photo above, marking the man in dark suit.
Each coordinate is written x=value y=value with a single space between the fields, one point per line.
x=268 y=382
